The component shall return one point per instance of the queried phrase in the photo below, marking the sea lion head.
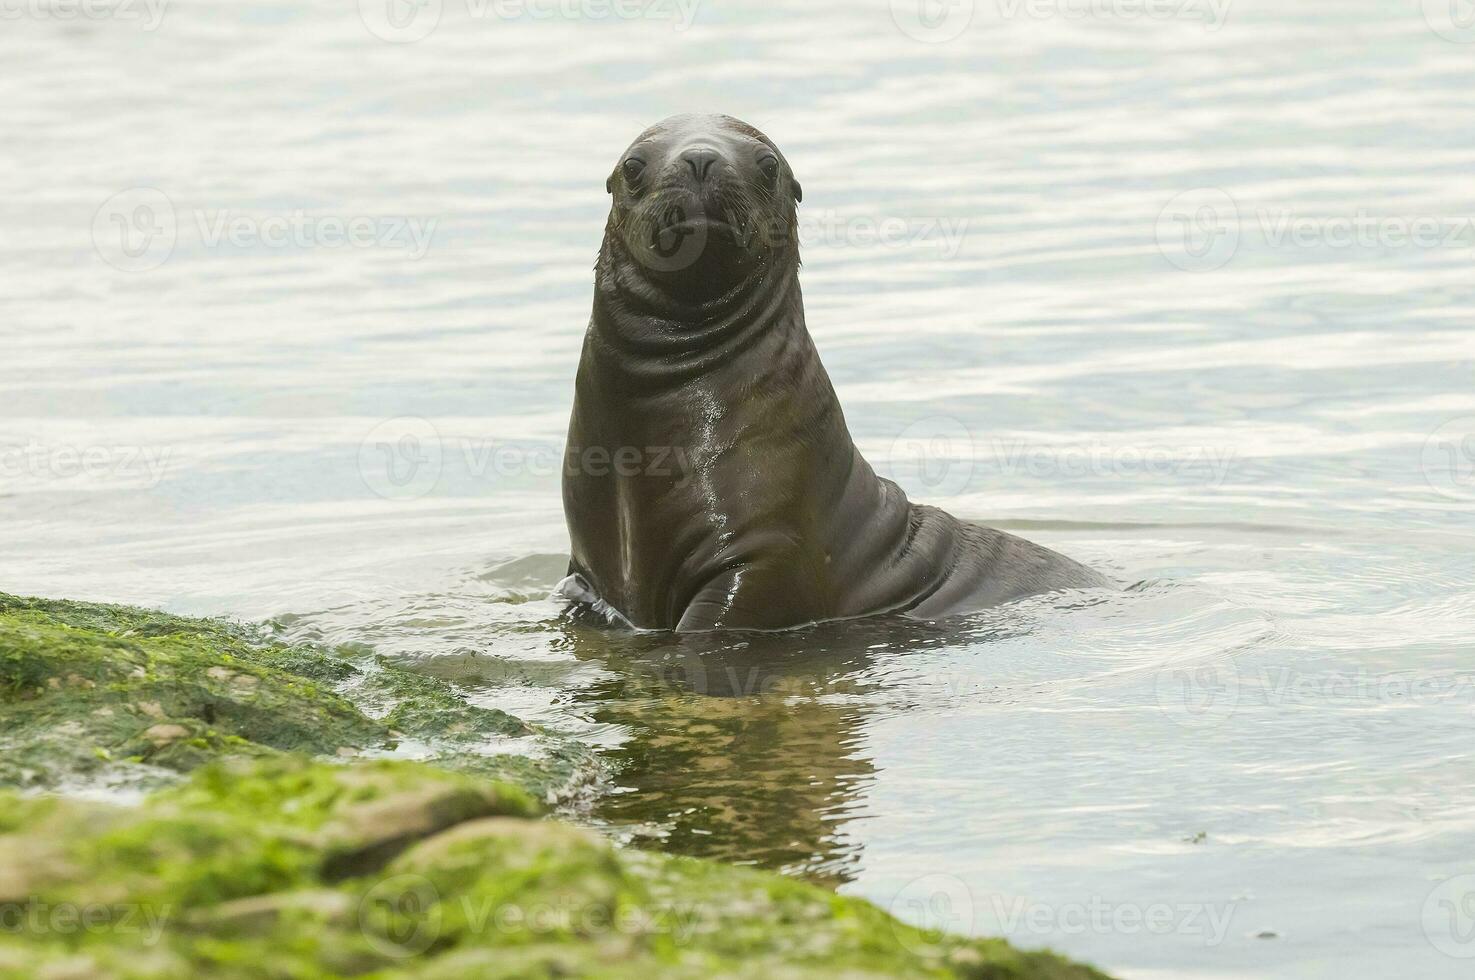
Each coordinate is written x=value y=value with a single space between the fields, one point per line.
x=702 y=203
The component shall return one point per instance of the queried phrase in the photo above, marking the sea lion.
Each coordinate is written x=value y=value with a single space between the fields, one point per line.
x=741 y=502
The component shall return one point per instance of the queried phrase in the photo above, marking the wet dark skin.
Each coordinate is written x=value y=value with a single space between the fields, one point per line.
x=710 y=480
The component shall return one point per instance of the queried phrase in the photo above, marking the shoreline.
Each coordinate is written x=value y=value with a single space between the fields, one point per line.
x=314 y=811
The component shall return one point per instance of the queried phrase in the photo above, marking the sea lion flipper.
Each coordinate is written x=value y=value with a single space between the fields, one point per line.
x=583 y=604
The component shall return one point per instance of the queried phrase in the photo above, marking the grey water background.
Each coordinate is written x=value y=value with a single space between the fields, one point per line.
x=293 y=299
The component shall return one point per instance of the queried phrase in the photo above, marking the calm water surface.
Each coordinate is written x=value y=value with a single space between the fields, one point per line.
x=1191 y=300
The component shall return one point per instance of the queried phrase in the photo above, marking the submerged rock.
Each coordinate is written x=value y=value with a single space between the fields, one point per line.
x=286 y=867
x=99 y=696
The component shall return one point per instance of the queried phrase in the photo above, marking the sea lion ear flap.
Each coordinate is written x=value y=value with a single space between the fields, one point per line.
x=798 y=191
x=609 y=183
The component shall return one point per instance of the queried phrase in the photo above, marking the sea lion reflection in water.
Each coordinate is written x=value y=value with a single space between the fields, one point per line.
x=712 y=480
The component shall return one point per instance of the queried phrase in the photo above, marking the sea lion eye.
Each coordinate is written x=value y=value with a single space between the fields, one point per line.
x=632 y=168
x=768 y=167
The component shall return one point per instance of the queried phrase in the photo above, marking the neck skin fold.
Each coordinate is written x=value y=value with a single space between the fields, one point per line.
x=661 y=336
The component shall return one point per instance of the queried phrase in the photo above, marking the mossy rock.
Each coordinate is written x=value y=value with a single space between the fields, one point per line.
x=107 y=696
x=288 y=868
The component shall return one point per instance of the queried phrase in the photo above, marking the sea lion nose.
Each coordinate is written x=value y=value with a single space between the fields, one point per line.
x=699 y=159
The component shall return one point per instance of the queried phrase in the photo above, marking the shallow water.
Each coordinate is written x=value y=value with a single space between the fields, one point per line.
x=1140 y=289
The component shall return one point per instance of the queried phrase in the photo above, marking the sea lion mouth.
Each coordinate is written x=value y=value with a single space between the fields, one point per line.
x=682 y=236
x=704 y=224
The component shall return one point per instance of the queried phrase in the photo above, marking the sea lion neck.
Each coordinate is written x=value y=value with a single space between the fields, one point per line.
x=661 y=335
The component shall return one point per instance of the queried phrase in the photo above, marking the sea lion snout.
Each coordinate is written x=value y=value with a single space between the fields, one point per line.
x=699 y=160
x=702 y=202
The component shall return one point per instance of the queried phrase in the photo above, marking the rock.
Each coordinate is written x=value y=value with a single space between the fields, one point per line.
x=366 y=836
x=224 y=875
x=163 y=734
x=81 y=677
x=262 y=913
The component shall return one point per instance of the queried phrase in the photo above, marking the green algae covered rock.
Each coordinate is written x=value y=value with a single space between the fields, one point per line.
x=282 y=867
x=273 y=837
x=110 y=696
